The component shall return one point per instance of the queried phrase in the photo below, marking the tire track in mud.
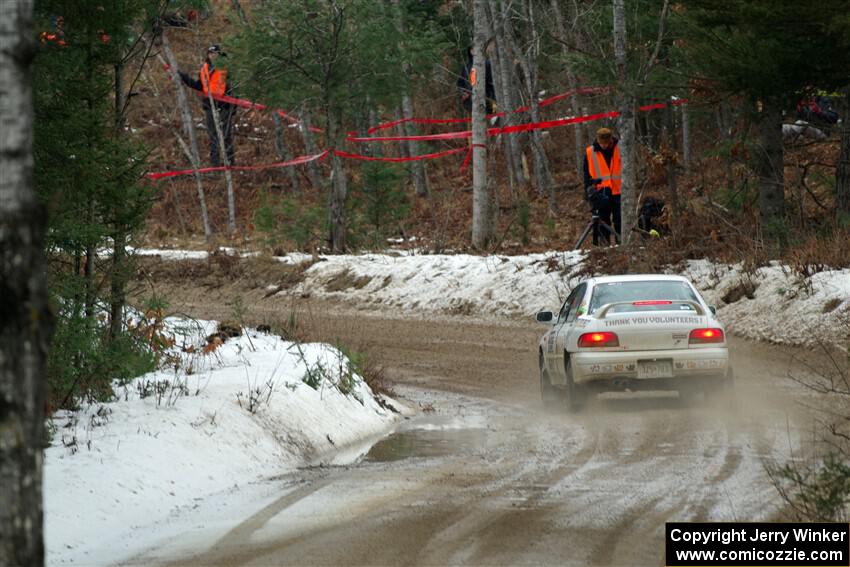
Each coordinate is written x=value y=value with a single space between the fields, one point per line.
x=516 y=510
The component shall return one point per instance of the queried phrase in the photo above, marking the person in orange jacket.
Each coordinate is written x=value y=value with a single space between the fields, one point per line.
x=602 y=181
x=212 y=78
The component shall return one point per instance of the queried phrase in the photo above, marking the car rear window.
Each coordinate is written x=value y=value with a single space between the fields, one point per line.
x=614 y=292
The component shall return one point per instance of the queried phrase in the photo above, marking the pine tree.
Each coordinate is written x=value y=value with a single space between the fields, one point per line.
x=328 y=56
x=88 y=173
x=768 y=51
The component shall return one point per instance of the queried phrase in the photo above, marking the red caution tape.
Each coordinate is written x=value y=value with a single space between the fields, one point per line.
x=297 y=161
x=542 y=103
x=244 y=103
x=304 y=159
x=434 y=155
x=469 y=155
x=510 y=129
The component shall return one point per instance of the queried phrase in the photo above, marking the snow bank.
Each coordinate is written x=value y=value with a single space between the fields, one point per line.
x=227 y=418
x=774 y=304
x=771 y=304
x=491 y=286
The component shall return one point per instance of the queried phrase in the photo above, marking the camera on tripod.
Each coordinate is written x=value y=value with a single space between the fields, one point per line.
x=599 y=200
x=596 y=196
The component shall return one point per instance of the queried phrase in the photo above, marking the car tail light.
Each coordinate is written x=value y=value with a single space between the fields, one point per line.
x=652 y=302
x=703 y=336
x=601 y=339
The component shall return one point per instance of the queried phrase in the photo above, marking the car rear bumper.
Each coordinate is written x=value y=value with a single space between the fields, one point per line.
x=623 y=366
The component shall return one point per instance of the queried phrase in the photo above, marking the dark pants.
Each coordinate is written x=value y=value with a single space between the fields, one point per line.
x=606 y=209
x=225 y=118
x=615 y=212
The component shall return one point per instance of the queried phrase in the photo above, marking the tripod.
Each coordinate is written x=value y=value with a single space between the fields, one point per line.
x=596 y=224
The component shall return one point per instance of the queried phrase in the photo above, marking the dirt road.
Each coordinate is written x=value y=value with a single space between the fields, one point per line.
x=488 y=478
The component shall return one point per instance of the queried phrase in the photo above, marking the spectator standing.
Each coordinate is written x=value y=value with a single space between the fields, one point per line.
x=212 y=79
x=603 y=179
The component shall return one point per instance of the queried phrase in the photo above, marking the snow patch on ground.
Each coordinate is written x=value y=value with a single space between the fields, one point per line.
x=175 y=438
x=490 y=286
x=771 y=303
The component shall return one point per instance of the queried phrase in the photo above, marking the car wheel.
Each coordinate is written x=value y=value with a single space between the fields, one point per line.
x=576 y=395
x=548 y=393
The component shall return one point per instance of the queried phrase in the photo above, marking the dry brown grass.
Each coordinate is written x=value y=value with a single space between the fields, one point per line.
x=817 y=253
x=220 y=269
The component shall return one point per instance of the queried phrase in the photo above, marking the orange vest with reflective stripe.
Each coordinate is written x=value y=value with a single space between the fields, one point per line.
x=473 y=76
x=611 y=177
x=214 y=82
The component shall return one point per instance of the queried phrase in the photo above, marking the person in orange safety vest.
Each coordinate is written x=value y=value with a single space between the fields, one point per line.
x=602 y=181
x=213 y=79
x=466 y=80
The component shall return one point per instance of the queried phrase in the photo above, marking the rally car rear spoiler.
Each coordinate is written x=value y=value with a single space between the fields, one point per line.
x=603 y=311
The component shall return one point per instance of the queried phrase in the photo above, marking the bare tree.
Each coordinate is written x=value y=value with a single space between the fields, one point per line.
x=305 y=127
x=26 y=320
x=283 y=150
x=572 y=82
x=771 y=171
x=339 y=183
x=228 y=176
x=190 y=149
x=686 y=136
x=483 y=222
x=842 y=171
x=528 y=63
x=417 y=172
x=508 y=96
x=625 y=125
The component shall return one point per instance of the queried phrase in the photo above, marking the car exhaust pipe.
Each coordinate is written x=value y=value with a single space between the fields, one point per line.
x=623 y=383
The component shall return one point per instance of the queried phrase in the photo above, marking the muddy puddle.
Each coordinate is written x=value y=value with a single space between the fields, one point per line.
x=424 y=443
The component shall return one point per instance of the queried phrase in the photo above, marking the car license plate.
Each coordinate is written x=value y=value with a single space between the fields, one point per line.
x=655 y=369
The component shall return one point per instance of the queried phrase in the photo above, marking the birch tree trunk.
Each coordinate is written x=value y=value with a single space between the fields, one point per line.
x=26 y=320
x=572 y=84
x=225 y=158
x=283 y=151
x=771 y=174
x=842 y=170
x=496 y=63
x=483 y=229
x=508 y=98
x=417 y=172
x=191 y=135
x=528 y=62
x=625 y=125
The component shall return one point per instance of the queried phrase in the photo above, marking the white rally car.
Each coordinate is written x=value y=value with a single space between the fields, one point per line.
x=627 y=333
